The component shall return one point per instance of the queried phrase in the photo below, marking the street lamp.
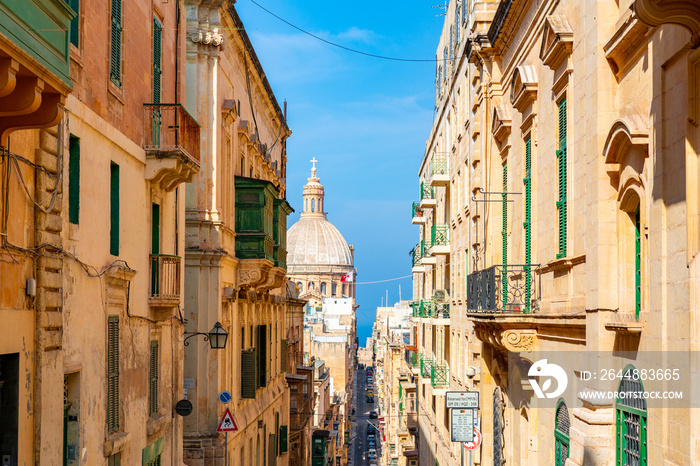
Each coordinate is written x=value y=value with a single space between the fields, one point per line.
x=216 y=337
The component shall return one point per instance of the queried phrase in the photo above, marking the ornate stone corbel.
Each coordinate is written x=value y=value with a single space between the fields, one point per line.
x=519 y=340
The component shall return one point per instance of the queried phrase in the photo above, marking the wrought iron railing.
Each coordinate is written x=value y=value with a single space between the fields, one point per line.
x=165 y=277
x=439 y=375
x=417 y=210
x=426 y=191
x=439 y=165
x=440 y=235
x=504 y=288
x=442 y=310
x=430 y=308
x=169 y=128
x=418 y=253
x=426 y=362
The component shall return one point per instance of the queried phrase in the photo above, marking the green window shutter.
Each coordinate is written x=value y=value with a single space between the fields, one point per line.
x=284 y=440
x=248 y=373
x=74 y=180
x=527 y=224
x=153 y=380
x=504 y=234
x=283 y=352
x=114 y=210
x=262 y=355
x=113 y=374
x=637 y=265
x=115 y=459
x=75 y=23
x=157 y=54
x=115 y=57
x=561 y=162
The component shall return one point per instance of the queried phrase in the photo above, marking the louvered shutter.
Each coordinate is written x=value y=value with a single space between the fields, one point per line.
x=157 y=35
x=527 y=225
x=271 y=450
x=115 y=61
x=248 y=373
x=262 y=355
x=113 y=374
x=284 y=440
x=153 y=382
x=283 y=351
x=504 y=234
x=561 y=159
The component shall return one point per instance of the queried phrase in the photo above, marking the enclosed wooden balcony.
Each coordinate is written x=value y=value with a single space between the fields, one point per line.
x=171 y=142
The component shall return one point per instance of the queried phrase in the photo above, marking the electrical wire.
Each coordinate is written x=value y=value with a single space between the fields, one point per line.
x=349 y=49
x=383 y=281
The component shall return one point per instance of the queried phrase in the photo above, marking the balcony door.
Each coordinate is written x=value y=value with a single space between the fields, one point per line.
x=155 y=249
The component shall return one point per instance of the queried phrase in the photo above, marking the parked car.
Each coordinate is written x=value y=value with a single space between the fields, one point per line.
x=370 y=430
x=370 y=392
x=372 y=454
x=370 y=399
x=372 y=443
x=373 y=414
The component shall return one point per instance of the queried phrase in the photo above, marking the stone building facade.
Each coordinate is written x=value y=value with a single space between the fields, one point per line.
x=572 y=189
x=95 y=235
x=235 y=249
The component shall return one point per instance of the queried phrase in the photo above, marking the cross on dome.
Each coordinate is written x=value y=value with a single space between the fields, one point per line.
x=313 y=168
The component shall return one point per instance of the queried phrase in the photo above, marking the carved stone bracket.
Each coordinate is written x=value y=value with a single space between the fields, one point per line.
x=259 y=275
x=507 y=339
x=685 y=13
x=203 y=37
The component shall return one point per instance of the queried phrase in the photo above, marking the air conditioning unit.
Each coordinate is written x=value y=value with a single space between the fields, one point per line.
x=440 y=295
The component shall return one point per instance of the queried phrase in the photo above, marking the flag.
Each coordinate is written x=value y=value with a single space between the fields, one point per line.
x=346 y=278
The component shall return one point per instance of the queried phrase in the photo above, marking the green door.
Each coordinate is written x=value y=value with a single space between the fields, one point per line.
x=155 y=249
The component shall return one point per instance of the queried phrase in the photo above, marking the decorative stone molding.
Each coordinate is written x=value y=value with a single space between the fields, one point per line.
x=203 y=37
x=557 y=41
x=685 y=13
x=523 y=90
x=259 y=275
x=510 y=339
x=625 y=132
x=626 y=43
x=501 y=122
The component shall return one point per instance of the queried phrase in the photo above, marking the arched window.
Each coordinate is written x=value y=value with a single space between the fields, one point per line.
x=323 y=288
x=312 y=286
x=334 y=289
x=313 y=205
x=631 y=420
x=562 y=423
x=300 y=286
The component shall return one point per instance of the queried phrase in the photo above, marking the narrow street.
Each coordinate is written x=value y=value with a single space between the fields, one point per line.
x=361 y=445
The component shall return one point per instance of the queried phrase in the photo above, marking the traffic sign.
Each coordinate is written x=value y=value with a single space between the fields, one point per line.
x=225 y=396
x=461 y=400
x=474 y=444
x=462 y=425
x=227 y=424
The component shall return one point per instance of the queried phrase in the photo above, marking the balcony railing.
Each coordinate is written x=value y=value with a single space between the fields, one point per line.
x=439 y=165
x=426 y=362
x=440 y=235
x=165 y=277
x=504 y=288
x=412 y=358
x=170 y=130
x=439 y=375
x=417 y=254
x=430 y=308
x=426 y=191
x=417 y=210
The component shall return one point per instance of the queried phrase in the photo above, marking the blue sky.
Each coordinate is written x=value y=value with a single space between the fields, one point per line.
x=365 y=119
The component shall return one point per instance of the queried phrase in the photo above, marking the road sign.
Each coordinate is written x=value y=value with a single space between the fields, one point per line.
x=225 y=396
x=227 y=424
x=474 y=444
x=462 y=425
x=461 y=400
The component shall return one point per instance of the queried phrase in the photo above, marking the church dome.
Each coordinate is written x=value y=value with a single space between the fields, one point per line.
x=313 y=243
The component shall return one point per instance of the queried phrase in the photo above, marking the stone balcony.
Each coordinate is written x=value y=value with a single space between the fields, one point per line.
x=171 y=142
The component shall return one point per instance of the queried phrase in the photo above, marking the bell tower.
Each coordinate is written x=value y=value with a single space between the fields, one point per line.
x=313 y=195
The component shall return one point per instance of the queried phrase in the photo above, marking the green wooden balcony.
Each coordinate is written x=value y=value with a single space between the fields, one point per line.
x=255 y=219
x=427 y=196
x=417 y=214
x=440 y=239
x=279 y=228
x=439 y=170
x=439 y=375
